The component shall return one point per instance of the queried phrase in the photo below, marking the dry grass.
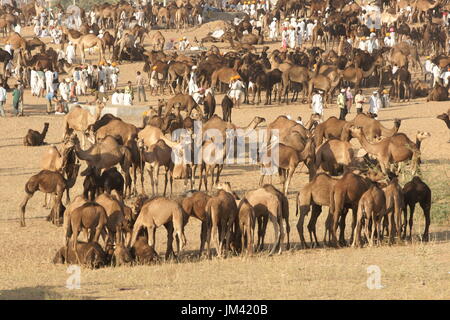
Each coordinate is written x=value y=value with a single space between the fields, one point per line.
x=409 y=271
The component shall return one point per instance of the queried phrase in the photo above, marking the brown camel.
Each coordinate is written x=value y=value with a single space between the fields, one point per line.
x=79 y=119
x=222 y=75
x=394 y=206
x=222 y=212
x=90 y=216
x=157 y=41
x=194 y=205
x=115 y=223
x=371 y=207
x=355 y=75
x=289 y=132
x=416 y=191
x=88 y=41
x=373 y=128
x=91 y=255
x=294 y=74
x=287 y=161
x=438 y=93
x=345 y=195
x=157 y=212
x=445 y=117
x=332 y=155
x=185 y=101
x=332 y=128
x=48 y=182
x=387 y=152
x=316 y=193
x=35 y=138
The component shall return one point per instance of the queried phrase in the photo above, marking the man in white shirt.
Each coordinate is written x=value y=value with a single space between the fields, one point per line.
x=48 y=80
x=375 y=104
x=70 y=53
x=436 y=74
x=317 y=103
x=115 y=98
x=273 y=29
x=2 y=101
x=445 y=76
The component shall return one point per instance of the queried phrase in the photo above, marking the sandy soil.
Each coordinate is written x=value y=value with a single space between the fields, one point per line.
x=408 y=271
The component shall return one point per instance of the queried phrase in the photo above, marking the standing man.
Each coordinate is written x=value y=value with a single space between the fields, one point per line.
x=140 y=83
x=273 y=30
x=16 y=100
x=317 y=104
x=236 y=90
x=348 y=99
x=375 y=104
x=341 y=104
x=359 y=100
x=21 y=90
x=70 y=53
x=2 y=100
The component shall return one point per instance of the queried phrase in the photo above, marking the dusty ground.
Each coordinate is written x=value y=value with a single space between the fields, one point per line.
x=408 y=271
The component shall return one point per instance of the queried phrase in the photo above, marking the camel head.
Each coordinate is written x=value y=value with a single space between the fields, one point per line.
x=373 y=175
x=443 y=117
x=259 y=120
x=138 y=203
x=224 y=185
x=89 y=171
x=356 y=131
x=397 y=123
x=422 y=135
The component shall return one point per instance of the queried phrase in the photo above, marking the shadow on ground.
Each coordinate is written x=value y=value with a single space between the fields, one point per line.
x=39 y=293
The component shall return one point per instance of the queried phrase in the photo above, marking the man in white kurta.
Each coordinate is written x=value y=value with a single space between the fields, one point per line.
x=70 y=53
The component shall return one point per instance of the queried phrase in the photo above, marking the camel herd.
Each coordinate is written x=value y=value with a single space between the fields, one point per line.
x=339 y=178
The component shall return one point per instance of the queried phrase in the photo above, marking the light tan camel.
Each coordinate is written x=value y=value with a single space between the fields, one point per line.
x=355 y=75
x=373 y=128
x=115 y=216
x=88 y=41
x=79 y=119
x=157 y=212
x=222 y=75
x=394 y=206
x=157 y=41
x=332 y=155
x=387 y=152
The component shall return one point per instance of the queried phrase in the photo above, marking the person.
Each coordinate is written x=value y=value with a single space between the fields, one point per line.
x=199 y=96
x=9 y=49
x=154 y=81
x=16 y=99
x=445 y=76
x=33 y=82
x=341 y=104
x=375 y=104
x=184 y=44
x=359 y=100
x=115 y=97
x=140 y=83
x=21 y=88
x=428 y=67
x=348 y=99
x=317 y=103
x=192 y=84
x=436 y=75
x=284 y=38
x=273 y=30
x=70 y=53
x=120 y=97
x=292 y=37
x=2 y=100
x=51 y=96
x=128 y=93
x=40 y=83
x=48 y=80
x=385 y=100
x=236 y=90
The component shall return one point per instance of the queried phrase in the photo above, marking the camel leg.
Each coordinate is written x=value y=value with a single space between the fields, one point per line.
x=152 y=181
x=426 y=211
x=203 y=234
x=169 y=250
x=316 y=211
x=300 y=223
x=215 y=236
x=22 y=208
x=276 y=229
x=411 y=220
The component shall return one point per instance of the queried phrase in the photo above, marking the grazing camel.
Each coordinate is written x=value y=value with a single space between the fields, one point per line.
x=387 y=151
x=48 y=182
x=194 y=205
x=371 y=207
x=35 y=138
x=79 y=119
x=332 y=155
x=416 y=191
x=316 y=193
x=157 y=212
x=90 y=216
x=222 y=212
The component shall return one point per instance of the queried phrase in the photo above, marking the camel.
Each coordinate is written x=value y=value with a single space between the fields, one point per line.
x=294 y=74
x=185 y=101
x=126 y=41
x=91 y=254
x=289 y=132
x=90 y=216
x=246 y=218
x=387 y=151
x=88 y=41
x=122 y=131
x=35 y=138
x=194 y=205
x=115 y=222
x=106 y=154
x=400 y=54
x=325 y=84
x=222 y=75
x=79 y=119
x=332 y=128
x=402 y=79
x=371 y=207
x=157 y=155
x=373 y=128
x=316 y=193
x=48 y=182
x=221 y=210
x=181 y=18
x=345 y=194
x=287 y=162
x=333 y=154
x=16 y=41
x=416 y=191
x=394 y=206
x=420 y=7
x=355 y=74
x=438 y=93
x=157 y=41
x=157 y=212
